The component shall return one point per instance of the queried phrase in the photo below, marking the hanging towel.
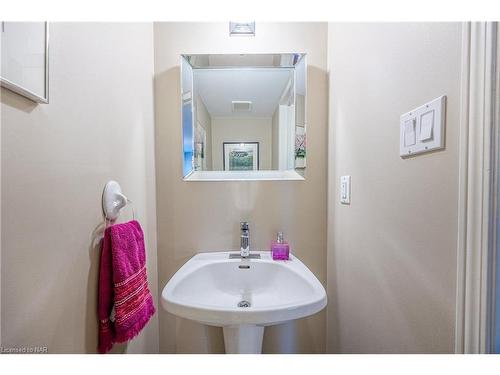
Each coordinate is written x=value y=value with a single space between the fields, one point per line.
x=123 y=285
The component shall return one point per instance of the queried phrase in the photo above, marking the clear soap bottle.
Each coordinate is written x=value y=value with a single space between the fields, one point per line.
x=280 y=250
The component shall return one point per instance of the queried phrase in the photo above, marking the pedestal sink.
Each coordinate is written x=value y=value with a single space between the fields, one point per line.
x=243 y=295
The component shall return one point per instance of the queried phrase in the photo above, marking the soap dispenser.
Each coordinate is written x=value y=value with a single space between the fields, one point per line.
x=280 y=250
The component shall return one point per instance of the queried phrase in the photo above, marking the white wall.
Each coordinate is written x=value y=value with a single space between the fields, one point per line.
x=244 y=129
x=275 y=131
x=202 y=117
x=300 y=114
x=392 y=252
x=56 y=159
x=205 y=216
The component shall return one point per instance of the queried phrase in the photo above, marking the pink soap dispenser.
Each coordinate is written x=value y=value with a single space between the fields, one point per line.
x=280 y=249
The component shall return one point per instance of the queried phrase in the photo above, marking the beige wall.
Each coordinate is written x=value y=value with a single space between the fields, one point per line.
x=226 y=129
x=56 y=159
x=205 y=216
x=392 y=252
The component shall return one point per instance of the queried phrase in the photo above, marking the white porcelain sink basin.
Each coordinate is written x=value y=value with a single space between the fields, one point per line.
x=243 y=295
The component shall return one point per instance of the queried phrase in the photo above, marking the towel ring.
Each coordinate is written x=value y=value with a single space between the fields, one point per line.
x=113 y=200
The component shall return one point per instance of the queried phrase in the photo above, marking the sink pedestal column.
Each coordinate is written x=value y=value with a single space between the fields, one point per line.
x=244 y=339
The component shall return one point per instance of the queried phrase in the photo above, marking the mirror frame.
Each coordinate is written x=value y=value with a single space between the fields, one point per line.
x=190 y=174
x=25 y=91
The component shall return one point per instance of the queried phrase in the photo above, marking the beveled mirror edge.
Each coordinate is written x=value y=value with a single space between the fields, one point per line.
x=189 y=57
x=263 y=175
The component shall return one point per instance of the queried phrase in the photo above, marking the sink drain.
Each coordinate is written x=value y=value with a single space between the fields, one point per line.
x=244 y=304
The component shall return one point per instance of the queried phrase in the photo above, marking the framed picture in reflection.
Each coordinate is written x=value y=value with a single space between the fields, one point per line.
x=241 y=156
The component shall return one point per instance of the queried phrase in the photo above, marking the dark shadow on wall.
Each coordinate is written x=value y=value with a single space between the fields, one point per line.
x=166 y=83
x=91 y=319
x=332 y=314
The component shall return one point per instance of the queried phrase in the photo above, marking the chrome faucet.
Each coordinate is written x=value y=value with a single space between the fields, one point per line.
x=244 y=240
x=244 y=244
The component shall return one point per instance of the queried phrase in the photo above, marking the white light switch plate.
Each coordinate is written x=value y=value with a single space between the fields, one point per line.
x=345 y=189
x=422 y=129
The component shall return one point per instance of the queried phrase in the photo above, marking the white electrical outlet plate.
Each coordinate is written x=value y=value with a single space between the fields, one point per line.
x=422 y=129
x=345 y=189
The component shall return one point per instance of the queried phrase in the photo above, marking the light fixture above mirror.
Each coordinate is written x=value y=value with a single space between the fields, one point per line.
x=243 y=116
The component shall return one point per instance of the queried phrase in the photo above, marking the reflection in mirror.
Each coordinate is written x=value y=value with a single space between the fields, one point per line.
x=300 y=114
x=187 y=116
x=244 y=113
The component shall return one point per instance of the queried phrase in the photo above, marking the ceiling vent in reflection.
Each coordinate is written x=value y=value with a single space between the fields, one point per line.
x=241 y=105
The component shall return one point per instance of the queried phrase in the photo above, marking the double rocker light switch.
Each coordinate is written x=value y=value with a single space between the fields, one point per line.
x=422 y=129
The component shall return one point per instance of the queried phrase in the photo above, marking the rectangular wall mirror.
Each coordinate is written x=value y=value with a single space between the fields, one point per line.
x=244 y=116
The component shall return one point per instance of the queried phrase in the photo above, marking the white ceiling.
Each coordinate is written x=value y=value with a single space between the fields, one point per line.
x=263 y=87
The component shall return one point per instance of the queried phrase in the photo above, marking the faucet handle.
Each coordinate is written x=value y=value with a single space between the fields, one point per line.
x=244 y=225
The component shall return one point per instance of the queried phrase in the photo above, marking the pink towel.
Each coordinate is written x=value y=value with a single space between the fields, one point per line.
x=123 y=285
